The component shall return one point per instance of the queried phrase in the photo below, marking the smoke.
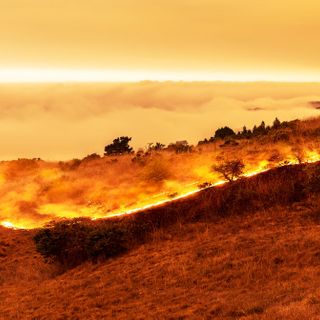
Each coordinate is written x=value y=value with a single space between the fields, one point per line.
x=63 y=121
x=33 y=192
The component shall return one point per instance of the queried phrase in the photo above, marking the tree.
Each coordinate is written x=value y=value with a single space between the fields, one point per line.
x=298 y=153
x=255 y=130
x=223 y=133
x=230 y=170
x=201 y=142
x=119 y=146
x=276 y=123
x=155 y=146
x=91 y=157
x=180 y=146
x=260 y=130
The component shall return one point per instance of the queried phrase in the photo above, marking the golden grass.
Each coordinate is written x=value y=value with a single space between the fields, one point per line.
x=258 y=263
x=263 y=265
x=35 y=192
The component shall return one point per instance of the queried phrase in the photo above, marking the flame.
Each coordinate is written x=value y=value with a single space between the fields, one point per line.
x=262 y=167
x=9 y=225
x=108 y=188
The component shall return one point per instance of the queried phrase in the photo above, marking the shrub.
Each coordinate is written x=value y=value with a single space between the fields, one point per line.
x=230 y=170
x=72 y=242
x=204 y=185
x=180 y=147
x=118 y=147
x=223 y=133
x=298 y=153
x=105 y=242
x=158 y=146
x=91 y=157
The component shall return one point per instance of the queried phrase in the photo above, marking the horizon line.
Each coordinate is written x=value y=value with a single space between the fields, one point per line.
x=47 y=76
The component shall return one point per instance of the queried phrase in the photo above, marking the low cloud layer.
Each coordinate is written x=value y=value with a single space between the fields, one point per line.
x=64 y=121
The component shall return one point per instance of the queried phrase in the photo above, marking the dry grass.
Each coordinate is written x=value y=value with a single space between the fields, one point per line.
x=248 y=250
x=35 y=192
x=264 y=265
x=248 y=264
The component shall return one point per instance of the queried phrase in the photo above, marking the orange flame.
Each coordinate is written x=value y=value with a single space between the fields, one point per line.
x=51 y=192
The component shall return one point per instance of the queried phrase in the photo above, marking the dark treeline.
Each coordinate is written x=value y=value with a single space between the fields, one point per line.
x=245 y=133
x=121 y=145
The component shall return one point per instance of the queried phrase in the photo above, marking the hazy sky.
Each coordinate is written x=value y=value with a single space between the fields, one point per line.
x=187 y=39
x=63 y=121
x=130 y=40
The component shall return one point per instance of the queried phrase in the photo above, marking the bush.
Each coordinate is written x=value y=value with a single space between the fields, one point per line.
x=72 y=242
x=230 y=170
x=118 y=147
x=223 y=133
x=180 y=147
x=91 y=157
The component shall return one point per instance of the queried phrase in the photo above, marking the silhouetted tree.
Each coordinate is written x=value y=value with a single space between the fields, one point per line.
x=223 y=133
x=180 y=146
x=262 y=127
x=255 y=130
x=276 y=124
x=299 y=153
x=119 y=146
x=90 y=157
x=230 y=170
x=205 y=141
x=156 y=146
x=261 y=130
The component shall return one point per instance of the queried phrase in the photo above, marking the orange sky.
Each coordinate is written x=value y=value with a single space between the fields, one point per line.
x=133 y=40
x=187 y=39
x=63 y=121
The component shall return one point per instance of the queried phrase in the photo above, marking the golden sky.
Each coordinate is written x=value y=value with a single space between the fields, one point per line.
x=64 y=121
x=167 y=39
x=133 y=40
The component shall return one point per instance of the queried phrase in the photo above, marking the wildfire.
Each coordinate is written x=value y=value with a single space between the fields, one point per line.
x=312 y=157
x=60 y=200
x=9 y=225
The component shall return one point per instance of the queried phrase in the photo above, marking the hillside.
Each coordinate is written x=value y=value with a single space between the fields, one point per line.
x=254 y=262
x=34 y=192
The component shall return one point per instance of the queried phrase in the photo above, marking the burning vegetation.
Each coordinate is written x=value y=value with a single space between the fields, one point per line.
x=71 y=242
x=34 y=192
x=252 y=242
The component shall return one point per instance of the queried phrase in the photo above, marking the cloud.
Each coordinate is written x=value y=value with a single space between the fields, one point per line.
x=65 y=121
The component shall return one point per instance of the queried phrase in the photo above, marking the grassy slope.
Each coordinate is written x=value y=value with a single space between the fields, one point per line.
x=35 y=192
x=259 y=265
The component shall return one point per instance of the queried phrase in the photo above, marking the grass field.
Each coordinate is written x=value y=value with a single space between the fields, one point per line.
x=249 y=263
x=248 y=249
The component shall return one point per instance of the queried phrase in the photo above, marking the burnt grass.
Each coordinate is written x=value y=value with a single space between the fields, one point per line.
x=72 y=242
